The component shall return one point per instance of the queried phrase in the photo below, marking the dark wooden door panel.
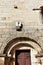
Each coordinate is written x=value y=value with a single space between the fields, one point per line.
x=23 y=57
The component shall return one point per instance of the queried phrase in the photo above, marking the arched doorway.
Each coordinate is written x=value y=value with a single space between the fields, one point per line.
x=21 y=43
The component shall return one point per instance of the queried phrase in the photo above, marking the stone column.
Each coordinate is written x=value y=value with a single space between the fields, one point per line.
x=8 y=61
x=39 y=61
x=42 y=60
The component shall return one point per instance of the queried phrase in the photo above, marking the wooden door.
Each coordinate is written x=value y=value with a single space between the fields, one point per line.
x=23 y=57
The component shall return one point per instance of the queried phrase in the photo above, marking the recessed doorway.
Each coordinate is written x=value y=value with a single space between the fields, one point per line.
x=23 y=57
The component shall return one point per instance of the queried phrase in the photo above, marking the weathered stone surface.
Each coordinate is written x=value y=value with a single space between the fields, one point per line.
x=32 y=24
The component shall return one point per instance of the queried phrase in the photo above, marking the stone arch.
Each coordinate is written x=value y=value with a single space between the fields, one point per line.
x=29 y=42
x=17 y=46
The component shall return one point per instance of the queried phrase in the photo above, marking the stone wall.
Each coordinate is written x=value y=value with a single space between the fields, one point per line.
x=7 y=34
x=31 y=20
x=32 y=24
